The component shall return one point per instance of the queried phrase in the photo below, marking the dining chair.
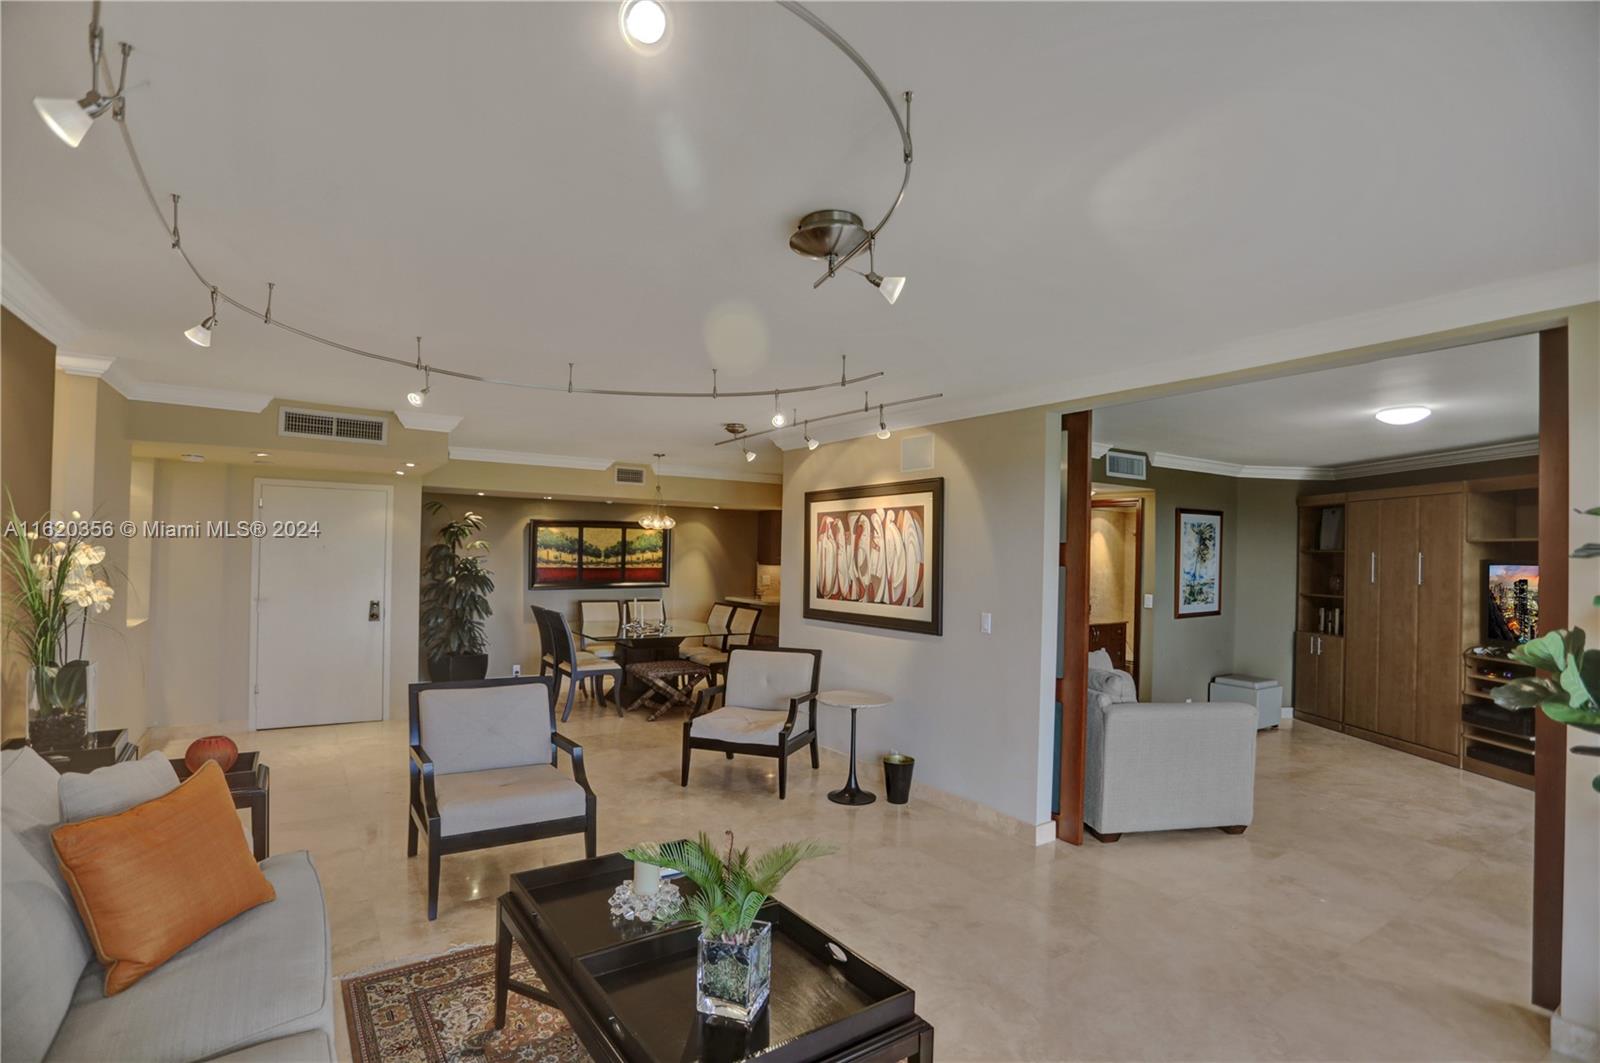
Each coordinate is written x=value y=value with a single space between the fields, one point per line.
x=717 y=621
x=483 y=770
x=760 y=711
x=714 y=654
x=646 y=609
x=541 y=619
x=578 y=665
x=602 y=620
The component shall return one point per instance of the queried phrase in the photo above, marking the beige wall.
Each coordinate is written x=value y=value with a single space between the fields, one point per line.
x=713 y=556
x=975 y=710
x=1264 y=587
x=1113 y=567
x=200 y=601
x=27 y=410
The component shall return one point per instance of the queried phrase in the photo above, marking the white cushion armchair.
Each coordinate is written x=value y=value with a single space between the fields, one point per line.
x=761 y=709
x=1165 y=766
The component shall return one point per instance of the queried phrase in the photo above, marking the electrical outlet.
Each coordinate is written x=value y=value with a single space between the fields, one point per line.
x=516 y=670
x=986 y=623
x=1149 y=601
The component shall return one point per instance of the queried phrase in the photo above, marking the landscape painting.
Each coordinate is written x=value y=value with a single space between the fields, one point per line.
x=1198 y=582
x=597 y=554
x=645 y=556
x=874 y=555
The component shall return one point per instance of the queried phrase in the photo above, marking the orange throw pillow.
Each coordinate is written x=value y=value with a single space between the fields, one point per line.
x=154 y=879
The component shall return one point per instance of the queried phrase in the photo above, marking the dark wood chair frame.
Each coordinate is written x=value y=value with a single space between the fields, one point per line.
x=565 y=649
x=424 y=804
x=789 y=740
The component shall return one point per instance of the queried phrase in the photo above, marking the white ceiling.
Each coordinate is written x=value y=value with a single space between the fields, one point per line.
x=1104 y=195
x=1482 y=394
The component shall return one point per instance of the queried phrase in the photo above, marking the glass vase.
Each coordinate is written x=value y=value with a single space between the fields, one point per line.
x=58 y=705
x=732 y=979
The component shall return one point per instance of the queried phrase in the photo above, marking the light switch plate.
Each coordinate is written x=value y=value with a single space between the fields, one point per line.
x=516 y=670
x=986 y=623
x=1149 y=601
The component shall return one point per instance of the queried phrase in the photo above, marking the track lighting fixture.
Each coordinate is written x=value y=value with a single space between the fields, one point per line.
x=200 y=335
x=71 y=119
x=644 y=22
x=778 y=419
x=417 y=398
x=889 y=286
x=749 y=455
x=883 y=427
x=811 y=444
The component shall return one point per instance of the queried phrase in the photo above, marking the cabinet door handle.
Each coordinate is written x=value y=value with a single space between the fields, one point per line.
x=1372 y=567
x=1419 y=568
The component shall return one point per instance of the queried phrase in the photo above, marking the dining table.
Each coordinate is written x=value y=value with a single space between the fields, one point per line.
x=634 y=644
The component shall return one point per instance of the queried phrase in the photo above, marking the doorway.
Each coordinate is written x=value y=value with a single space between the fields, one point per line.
x=320 y=622
x=1116 y=579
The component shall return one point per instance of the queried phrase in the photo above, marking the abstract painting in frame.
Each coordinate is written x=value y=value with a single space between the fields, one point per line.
x=1197 y=582
x=874 y=555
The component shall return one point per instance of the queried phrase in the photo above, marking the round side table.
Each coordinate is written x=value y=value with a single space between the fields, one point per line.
x=854 y=700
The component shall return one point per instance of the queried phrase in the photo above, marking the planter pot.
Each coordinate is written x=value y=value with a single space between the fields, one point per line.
x=732 y=979
x=897 y=777
x=63 y=722
x=453 y=667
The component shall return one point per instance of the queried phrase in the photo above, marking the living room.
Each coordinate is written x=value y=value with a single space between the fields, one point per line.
x=442 y=560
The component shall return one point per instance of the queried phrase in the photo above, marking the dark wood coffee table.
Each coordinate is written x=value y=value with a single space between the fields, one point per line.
x=628 y=989
x=248 y=785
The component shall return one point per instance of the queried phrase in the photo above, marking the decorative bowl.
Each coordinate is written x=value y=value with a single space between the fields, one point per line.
x=219 y=748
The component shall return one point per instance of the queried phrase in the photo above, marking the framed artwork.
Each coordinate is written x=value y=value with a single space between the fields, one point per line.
x=597 y=553
x=1197 y=582
x=875 y=555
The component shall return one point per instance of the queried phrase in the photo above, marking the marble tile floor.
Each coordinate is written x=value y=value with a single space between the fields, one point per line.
x=1378 y=907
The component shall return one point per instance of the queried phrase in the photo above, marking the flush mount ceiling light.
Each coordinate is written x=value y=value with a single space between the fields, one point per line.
x=200 y=335
x=192 y=457
x=1404 y=414
x=644 y=23
x=71 y=119
x=658 y=519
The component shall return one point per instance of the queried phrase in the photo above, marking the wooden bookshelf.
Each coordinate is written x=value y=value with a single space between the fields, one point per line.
x=1495 y=742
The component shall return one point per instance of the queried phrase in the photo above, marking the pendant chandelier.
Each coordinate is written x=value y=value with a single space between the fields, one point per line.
x=658 y=519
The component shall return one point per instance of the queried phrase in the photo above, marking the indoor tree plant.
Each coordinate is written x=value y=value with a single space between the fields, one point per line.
x=1573 y=696
x=734 y=972
x=455 y=599
x=57 y=584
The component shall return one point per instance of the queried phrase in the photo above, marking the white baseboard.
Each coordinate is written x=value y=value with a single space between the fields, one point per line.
x=1574 y=1041
x=1288 y=712
x=1044 y=833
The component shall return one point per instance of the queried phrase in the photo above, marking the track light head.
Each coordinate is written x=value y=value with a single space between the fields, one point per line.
x=71 y=119
x=416 y=398
x=888 y=286
x=778 y=419
x=811 y=444
x=200 y=335
x=883 y=427
x=749 y=455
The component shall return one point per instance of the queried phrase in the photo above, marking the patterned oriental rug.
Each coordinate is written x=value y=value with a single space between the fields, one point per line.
x=441 y=1010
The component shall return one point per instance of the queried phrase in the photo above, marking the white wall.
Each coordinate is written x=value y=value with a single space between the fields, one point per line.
x=973 y=709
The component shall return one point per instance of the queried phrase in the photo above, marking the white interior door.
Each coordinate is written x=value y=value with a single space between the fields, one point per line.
x=321 y=618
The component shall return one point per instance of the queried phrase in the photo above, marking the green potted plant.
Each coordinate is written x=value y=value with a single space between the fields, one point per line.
x=455 y=599
x=1573 y=696
x=57 y=583
x=734 y=971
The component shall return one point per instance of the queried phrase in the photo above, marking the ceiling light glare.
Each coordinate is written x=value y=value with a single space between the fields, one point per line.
x=1404 y=414
x=644 y=22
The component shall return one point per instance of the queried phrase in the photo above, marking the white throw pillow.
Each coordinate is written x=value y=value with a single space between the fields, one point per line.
x=1117 y=685
x=1100 y=661
x=115 y=788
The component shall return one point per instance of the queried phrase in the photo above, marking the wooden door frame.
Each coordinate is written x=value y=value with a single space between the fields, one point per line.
x=1135 y=503
x=1550 y=737
x=1073 y=689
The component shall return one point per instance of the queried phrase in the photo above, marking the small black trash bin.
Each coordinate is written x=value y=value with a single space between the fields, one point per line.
x=897 y=777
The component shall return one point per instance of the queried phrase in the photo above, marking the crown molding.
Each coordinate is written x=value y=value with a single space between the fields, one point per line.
x=1099 y=450
x=83 y=364
x=1188 y=463
x=419 y=421
x=520 y=457
x=1519 y=448
x=711 y=472
x=24 y=296
x=183 y=395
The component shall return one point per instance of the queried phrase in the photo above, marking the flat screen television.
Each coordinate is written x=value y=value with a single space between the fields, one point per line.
x=1510 y=602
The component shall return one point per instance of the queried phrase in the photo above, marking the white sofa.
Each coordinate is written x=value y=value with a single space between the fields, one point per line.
x=257 y=988
x=1165 y=766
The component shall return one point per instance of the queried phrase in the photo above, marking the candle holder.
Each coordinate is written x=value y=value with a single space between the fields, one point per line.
x=665 y=903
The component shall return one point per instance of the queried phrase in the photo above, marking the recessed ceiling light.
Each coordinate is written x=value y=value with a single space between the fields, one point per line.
x=399 y=472
x=1404 y=414
x=548 y=497
x=262 y=454
x=192 y=457
x=644 y=22
x=480 y=494
x=411 y=465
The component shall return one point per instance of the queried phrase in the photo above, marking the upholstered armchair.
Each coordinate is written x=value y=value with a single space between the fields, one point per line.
x=760 y=714
x=483 y=770
x=1165 y=766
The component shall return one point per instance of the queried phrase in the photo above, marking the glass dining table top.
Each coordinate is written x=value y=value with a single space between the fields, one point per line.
x=674 y=629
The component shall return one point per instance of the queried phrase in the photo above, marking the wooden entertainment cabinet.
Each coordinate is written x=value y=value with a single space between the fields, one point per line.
x=1387 y=602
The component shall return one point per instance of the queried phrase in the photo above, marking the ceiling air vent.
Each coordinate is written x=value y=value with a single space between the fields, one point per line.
x=346 y=427
x=629 y=474
x=1125 y=466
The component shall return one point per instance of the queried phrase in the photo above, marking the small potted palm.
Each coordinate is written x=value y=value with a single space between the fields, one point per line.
x=734 y=973
x=455 y=599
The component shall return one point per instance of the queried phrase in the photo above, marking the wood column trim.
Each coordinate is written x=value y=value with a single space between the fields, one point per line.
x=1074 y=684
x=1550 y=737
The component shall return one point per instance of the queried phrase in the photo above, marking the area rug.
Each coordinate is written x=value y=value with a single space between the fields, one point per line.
x=441 y=1010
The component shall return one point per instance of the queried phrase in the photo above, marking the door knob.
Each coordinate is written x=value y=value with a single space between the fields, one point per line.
x=374 y=610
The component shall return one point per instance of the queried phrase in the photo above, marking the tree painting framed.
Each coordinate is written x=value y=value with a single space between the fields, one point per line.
x=875 y=556
x=596 y=553
x=1197 y=560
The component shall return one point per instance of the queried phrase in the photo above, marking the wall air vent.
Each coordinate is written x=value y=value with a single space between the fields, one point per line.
x=347 y=428
x=629 y=474
x=1125 y=466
